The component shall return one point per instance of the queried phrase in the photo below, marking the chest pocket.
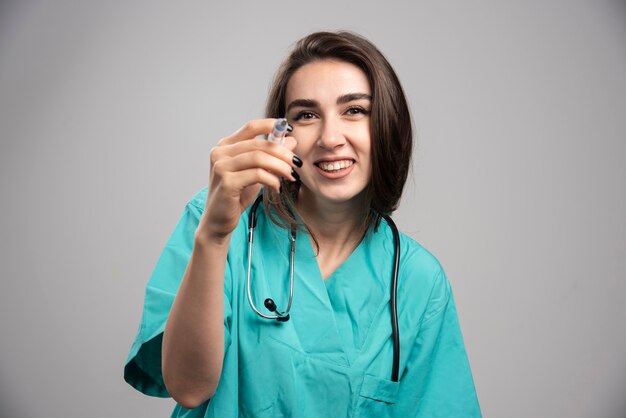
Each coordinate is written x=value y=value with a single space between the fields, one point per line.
x=376 y=397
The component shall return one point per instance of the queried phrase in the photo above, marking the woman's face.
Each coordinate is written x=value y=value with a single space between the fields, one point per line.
x=328 y=105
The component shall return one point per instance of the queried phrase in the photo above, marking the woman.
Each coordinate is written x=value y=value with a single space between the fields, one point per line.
x=326 y=190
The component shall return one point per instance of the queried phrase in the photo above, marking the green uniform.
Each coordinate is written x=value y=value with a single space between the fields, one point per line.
x=333 y=358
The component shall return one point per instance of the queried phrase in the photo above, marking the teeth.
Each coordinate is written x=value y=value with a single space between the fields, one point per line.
x=335 y=165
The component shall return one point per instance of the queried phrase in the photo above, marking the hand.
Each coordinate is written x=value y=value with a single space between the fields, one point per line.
x=240 y=165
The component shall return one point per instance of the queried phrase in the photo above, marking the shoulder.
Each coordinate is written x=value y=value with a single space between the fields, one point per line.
x=422 y=278
x=415 y=260
x=418 y=259
x=197 y=205
x=199 y=199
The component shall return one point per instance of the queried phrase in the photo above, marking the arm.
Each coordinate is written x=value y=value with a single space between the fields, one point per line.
x=193 y=341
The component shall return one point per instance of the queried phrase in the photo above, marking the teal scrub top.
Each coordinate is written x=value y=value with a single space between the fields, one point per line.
x=333 y=358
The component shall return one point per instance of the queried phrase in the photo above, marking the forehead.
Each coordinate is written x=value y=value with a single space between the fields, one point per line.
x=327 y=78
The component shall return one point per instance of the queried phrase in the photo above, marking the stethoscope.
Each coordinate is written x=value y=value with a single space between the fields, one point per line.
x=284 y=316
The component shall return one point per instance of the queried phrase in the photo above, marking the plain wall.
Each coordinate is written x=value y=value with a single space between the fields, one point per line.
x=108 y=111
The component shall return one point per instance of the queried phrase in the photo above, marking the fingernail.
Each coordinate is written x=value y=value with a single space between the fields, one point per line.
x=289 y=128
x=295 y=175
x=297 y=161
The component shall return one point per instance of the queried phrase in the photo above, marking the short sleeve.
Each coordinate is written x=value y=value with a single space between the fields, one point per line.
x=143 y=366
x=438 y=375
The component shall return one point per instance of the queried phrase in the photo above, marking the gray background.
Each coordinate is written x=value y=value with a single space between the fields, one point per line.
x=108 y=111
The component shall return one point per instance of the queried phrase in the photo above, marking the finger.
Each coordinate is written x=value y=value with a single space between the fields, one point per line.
x=282 y=152
x=255 y=159
x=236 y=182
x=250 y=130
x=290 y=143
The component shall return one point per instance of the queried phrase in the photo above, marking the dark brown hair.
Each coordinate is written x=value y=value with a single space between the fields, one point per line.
x=390 y=120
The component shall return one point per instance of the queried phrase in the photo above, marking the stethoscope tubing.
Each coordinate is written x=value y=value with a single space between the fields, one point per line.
x=395 y=332
x=292 y=239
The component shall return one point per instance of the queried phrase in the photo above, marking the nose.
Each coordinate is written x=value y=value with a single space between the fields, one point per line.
x=331 y=135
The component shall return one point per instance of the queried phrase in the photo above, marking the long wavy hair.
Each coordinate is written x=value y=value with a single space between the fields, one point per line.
x=390 y=122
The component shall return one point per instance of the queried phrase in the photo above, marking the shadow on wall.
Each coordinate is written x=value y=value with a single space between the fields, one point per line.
x=620 y=7
x=620 y=412
x=7 y=406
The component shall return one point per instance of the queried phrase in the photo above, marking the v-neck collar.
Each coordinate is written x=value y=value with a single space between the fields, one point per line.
x=313 y=315
x=321 y=331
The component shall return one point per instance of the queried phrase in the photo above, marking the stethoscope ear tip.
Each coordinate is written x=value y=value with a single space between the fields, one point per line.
x=283 y=318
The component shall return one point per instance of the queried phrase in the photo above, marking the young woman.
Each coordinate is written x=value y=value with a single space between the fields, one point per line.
x=372 y=330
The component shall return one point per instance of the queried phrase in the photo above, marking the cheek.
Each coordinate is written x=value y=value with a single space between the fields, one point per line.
x=365 y=143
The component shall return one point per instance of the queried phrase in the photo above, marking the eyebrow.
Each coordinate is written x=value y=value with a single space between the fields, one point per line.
x=350 y=97
x=346 y=98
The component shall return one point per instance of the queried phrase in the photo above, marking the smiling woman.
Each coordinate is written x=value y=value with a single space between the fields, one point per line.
x=373 y=329
x=328 y=106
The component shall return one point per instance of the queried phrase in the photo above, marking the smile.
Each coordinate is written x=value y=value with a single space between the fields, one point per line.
x=334 y=166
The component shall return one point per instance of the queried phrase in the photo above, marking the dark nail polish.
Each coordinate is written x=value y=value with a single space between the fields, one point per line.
x=289 y=128
x=295 y=175
x=297 y=161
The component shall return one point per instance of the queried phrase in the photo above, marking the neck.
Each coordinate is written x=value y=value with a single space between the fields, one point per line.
x=337 y=227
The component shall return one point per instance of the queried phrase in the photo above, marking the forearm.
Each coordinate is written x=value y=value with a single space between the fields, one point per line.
x=193 y=341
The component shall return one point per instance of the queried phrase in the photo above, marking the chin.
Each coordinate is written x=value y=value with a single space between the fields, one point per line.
x=343 y=196
x=334 y=195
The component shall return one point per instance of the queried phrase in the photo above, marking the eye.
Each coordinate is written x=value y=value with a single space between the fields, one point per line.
x=304 y=115
x=356 y=110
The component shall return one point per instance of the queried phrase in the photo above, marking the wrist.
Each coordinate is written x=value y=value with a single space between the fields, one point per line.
x=206 y=237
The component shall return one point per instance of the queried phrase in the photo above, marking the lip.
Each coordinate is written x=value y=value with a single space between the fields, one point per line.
x=339 y=174
x=333 y=159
